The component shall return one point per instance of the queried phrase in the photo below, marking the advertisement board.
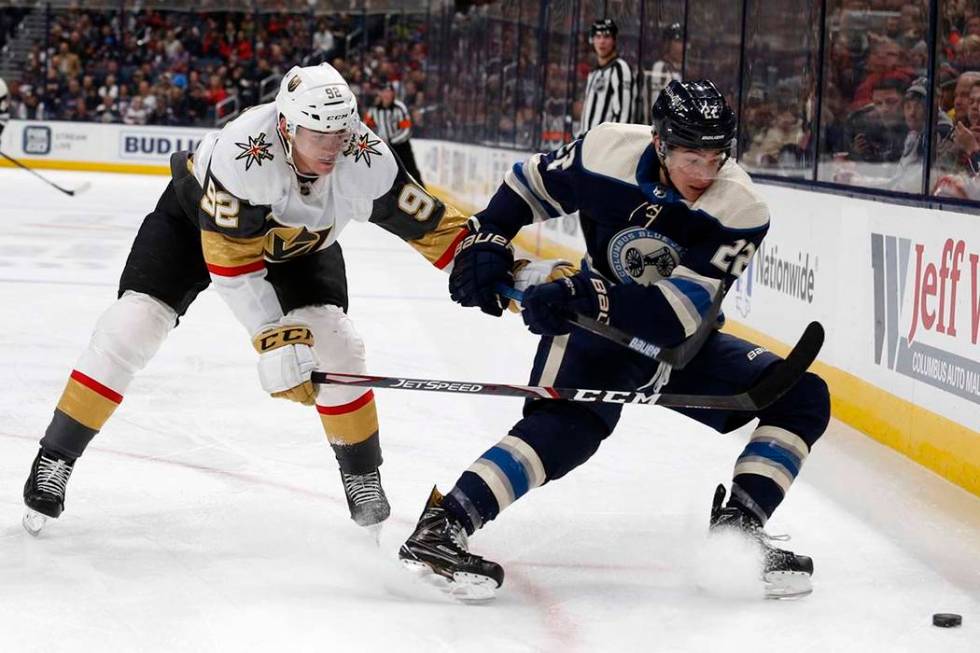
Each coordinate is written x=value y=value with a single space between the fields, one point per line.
x=96 y=146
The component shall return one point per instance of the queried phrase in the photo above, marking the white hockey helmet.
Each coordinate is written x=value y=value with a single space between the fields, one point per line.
x=317 y=98
x=3 y=96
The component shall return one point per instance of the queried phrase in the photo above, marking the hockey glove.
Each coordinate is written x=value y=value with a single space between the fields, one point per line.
x=548 y=306
x=286 y=360
x=482 y=260
x=532 y=273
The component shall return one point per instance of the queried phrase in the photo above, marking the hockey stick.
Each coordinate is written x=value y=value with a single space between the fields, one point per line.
x=677 y=357
x=774 y=384
x=67 y=191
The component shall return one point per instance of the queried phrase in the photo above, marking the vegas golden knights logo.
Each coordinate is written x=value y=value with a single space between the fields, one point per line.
x=293 y=83
x=282 y=243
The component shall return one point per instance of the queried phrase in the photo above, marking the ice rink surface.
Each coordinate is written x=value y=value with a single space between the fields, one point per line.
x=209 y=517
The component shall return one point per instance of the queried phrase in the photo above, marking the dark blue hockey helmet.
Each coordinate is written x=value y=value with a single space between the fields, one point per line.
x=603 y=26
x=695 y=115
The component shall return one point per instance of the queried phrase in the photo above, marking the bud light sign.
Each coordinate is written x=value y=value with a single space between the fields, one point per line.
x=155 y=146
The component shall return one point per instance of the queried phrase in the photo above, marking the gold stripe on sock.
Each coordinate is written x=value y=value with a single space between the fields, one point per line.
x=85 y=405
x=351 y=426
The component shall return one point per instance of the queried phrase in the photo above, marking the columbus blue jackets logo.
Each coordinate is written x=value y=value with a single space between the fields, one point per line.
x=362 y=147
x=638 y=254
x=255 y=151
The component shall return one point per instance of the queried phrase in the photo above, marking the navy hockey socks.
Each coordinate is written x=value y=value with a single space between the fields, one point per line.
x=503 y=474
x=777 y=449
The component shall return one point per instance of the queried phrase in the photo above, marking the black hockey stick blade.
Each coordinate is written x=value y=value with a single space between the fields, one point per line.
x=773 y=386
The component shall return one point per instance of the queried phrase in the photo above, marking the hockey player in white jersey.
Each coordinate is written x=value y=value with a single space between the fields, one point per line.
x=256 y=211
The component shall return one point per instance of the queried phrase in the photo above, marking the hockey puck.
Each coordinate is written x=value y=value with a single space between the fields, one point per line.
x=946 y=620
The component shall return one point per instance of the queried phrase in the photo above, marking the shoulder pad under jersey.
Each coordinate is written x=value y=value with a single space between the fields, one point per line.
x=613 y=149
x=367 y=168
x=249 y=160
x=733 y=199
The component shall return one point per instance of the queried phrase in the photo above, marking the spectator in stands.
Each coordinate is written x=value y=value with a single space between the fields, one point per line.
x=69 y=93
x=961 y=97
x=216 y=90
x=66 y=62
x=912 y=25
x=324 y=42
x=107 y=111
x=109 y=90
x=30 y=107
x=968 y=52
x=782 y=137
x=972 y=26
x=122 y=102
x=147 y=99
x=755 y=118
x=885 y=61
x=908 y=174
x=136 y=114
x=876 y=133
x=665 y=69
x=946 y=90
x=176 y=107
x=965 y=154
x=843 y=72
x=123 y=50
x=90 y=93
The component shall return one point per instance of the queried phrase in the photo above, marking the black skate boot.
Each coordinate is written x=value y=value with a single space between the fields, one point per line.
x=785 y=574
x=438 y=551
x=366 y=499
x=44 y=491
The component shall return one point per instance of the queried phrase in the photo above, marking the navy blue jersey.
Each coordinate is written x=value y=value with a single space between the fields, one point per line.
x=664 y=255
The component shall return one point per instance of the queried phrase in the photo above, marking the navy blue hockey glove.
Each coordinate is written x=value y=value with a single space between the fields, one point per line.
x=483 y=260
x=548 y=306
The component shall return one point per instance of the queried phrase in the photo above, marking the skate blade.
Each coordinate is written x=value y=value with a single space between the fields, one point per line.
x=787 y=585
x=464 y=587
x=33 y=521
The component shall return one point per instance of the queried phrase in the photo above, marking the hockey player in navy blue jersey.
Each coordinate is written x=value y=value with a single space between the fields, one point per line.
x=666 y=221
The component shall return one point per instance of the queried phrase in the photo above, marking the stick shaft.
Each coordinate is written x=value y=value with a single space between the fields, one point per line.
x=66 y=191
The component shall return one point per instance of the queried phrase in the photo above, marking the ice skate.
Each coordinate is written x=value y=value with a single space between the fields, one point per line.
x=366 y=500
x=44 y=491
x=437 y=551
x=786 y=575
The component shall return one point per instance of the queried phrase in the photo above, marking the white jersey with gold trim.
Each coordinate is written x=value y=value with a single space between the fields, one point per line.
x=255 y=210
x=248 y=159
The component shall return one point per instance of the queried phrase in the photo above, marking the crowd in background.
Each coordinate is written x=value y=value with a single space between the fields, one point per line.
x=491 y=74
x=874 y=101
x=179 y=68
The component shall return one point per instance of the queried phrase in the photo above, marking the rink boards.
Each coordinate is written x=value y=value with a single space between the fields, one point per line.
x=897 y=288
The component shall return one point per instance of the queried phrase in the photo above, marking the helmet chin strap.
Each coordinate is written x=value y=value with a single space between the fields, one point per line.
x=287 y=131
x=661 y=149
x=286 y=136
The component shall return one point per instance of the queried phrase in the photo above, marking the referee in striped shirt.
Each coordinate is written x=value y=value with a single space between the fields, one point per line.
x=609 y=90
x=390 y=119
